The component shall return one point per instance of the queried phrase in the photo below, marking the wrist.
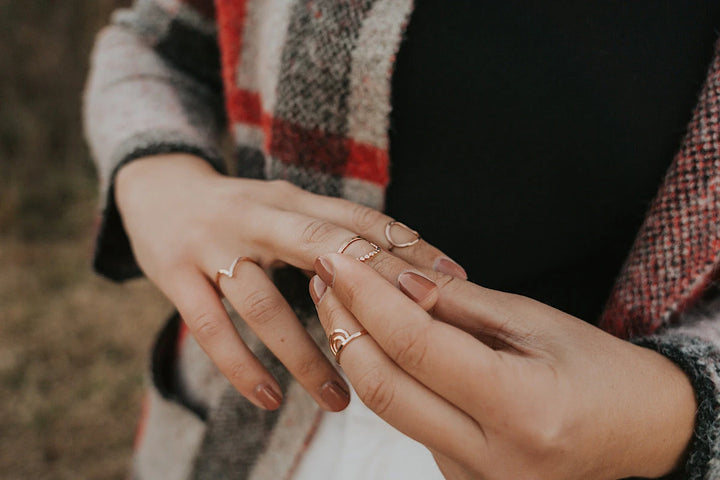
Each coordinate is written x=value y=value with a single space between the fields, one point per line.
x=661 y=443
x=146 y=175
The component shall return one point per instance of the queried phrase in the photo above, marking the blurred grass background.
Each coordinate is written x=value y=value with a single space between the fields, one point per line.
x=73 y=347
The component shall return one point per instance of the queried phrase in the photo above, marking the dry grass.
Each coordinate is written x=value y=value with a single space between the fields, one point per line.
x=72 y=351
x=73 y=347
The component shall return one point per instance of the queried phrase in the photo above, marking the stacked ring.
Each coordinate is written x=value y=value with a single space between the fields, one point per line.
x=363 y=258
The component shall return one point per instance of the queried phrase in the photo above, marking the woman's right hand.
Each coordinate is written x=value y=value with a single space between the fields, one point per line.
x=185 y=221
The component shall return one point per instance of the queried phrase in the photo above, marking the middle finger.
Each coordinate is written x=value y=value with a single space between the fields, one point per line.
x=263 y=308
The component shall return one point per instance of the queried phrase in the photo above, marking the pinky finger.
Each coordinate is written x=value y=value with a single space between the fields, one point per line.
x=208 y=321
x=390 y=392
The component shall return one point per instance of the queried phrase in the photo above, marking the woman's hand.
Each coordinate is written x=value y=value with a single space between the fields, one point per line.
x=499 y=386
x=185 y=221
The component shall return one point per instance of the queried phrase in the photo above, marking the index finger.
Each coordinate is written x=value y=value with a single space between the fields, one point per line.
x=446 y=359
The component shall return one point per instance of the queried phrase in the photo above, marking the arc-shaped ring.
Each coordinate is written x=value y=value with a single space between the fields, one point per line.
x=388 y=235
x=339 y=338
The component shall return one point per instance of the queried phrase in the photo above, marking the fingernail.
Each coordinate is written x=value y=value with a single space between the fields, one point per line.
x=448 y=267
x=334 y=396
x=268 y=397
x=415 y=285
x=317 y=289
x=324 y=268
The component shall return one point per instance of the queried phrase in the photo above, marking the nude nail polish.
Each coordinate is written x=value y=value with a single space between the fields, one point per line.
x=449 y=267
x=317 y=289
x=334 y=396
x=415 y=286
x=324 y=269
x=268 y=397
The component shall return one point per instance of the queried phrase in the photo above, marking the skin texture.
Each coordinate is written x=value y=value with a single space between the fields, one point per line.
x=496 y=385
x=185 y=221
x=500 y=386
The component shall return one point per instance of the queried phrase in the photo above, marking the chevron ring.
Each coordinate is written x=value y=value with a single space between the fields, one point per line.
x=230 y=272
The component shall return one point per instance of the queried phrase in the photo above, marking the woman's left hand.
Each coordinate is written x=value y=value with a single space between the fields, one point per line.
x=500 y=386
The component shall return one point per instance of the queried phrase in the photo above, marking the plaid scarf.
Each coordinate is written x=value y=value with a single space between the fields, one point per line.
x=325 y=128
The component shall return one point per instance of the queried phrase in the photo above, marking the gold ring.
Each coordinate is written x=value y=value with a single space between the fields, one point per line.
x=339 y=338
x=367 y=256
x=388 y=235
x=230 y=272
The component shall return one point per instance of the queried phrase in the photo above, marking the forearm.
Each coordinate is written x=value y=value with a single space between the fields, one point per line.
x=142 y=99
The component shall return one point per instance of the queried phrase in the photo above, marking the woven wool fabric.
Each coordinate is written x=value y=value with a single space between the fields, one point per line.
x=316 y=109
x=677 y=251
x=306 y=94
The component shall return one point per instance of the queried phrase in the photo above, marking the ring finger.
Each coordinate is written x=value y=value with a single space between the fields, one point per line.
x=263 y=308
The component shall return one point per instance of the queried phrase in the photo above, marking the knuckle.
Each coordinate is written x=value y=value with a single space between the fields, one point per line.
x=231 y=191
x=195 y=237
x=364 y=218
x=545 y=436
x=282 y=187
x=207 y=326
x=310 y=366
x=376 y=391
x=261 y=307
x=386 y=265
x=332 y=314
x=237 y=371
x=317 y=231
x=408 y=346
x=353 y=293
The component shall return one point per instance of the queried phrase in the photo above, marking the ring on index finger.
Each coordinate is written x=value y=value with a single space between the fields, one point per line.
x=230 y=272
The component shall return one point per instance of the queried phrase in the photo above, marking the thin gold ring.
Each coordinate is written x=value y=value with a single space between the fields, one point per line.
x=339 y=338
x=388 y=235
x=363 y=258
x=230 y=272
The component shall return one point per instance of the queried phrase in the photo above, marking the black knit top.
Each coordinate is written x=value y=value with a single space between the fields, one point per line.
x=527 y=141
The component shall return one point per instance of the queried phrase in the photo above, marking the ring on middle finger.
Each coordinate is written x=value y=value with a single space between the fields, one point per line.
x=394 y=242
x=362 y=258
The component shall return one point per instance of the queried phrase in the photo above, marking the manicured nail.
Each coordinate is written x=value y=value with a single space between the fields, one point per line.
x=324 y=268
x=268 y=397
x=334 y=396
x=448 y=267
x=415 y=286
x=317 y=289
